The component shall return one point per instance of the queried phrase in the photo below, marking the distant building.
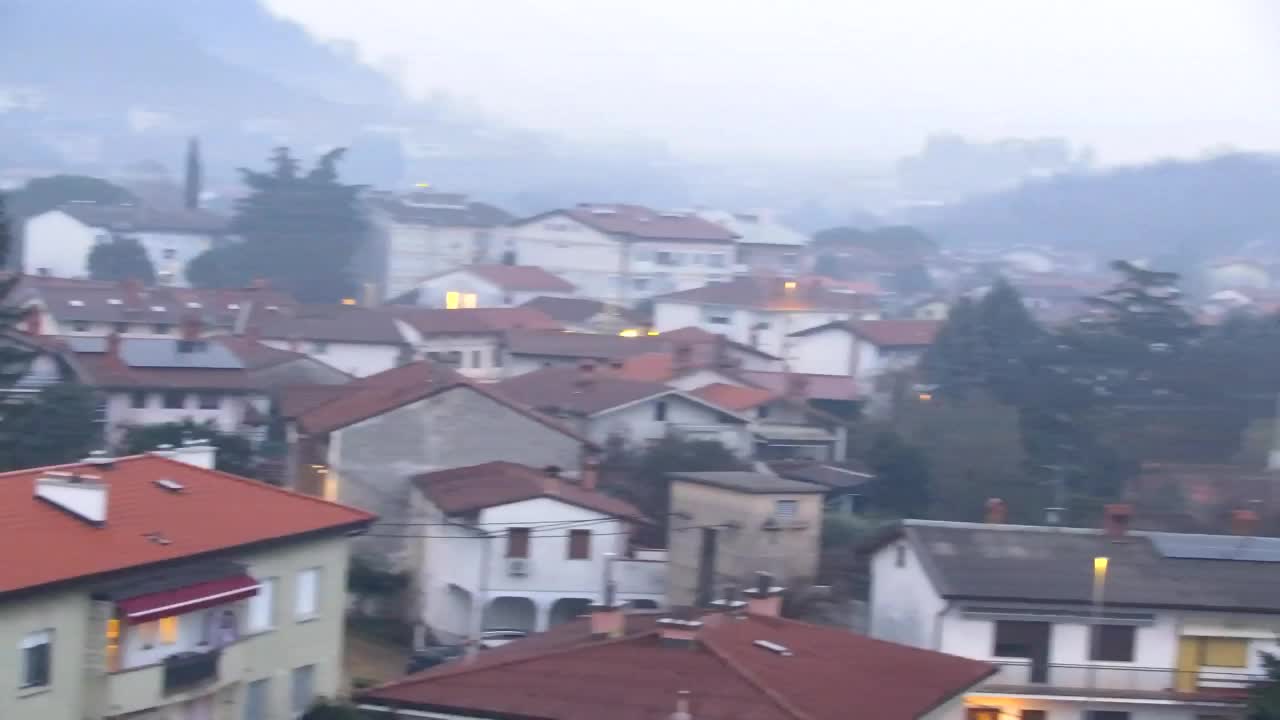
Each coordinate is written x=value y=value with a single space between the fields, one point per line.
x=864 y=349
x=57 y=243
x=625 y=253
x=782 y=426
x=764 y=244
x=485 y=286
x=583 y=315
x=1238 y=274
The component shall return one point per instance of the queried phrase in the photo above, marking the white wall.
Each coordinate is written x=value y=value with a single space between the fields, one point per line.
x=591 y=260
x=56 y=242
x=829 y=352
x=637 y=424
x=904 y=605
x=358 y=359
x=227 y=417
x=479 y=359
x=690 y=264
x=418 y=251
x=184 y=246
x=673 y=314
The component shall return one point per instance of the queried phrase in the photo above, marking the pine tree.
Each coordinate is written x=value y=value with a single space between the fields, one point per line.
x=1010 y=339
x=1144 y=306
x=1264 y=699
x=121 y=258
x=956 y=361
x=902 y=478
x=13 y=359
x=55 y=426
x=194 y=181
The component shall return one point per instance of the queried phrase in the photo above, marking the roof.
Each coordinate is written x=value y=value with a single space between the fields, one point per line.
x=577 y=310
x=526 y=278
x=138 y=218
x=773 y=294
x=439 y=210
x=885 y=333
x=1025 y=563
x=735 y=397
x=468 y=489
x=193 y=521
x=108 y=302
x=756 y=228
x=641 y=223
x=566 y=674
x=556 y=343
x=212 y=363
x=465 y=321
x=331 y=323
x=573 y=390
x=750 y=482
x=834 y=477
x=812 y=387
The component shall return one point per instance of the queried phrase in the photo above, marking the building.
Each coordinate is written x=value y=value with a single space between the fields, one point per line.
x=782 y=427
x=584 y=315
x=361 y=443
x=764 y=244
x=745 y=522
x=473 y=341
x=845 y=484
x=762 y=312
x=863 y=349
x=355 y=340
x=1235 y=273
x=625 y=253
x=740 y=662
x=608 y=409
x=485 y=286
x=515 y=547
x=155 y=589
x=57 y=243
x=423 y=233
x=1109 y=624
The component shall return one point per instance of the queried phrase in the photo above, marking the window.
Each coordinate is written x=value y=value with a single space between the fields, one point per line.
x=762 y=412
x=1013 y=638
x=160 y=329
x=37 y=658
x=665 y=258
x=644 y=255
x=716 y=259
x=306 y=594
x=43 y=272
x=256 y=695
x=1034 y=715
x=167 y=630
x=122 y=328
x=476 y=359
x=147 y=633
x=209 y=401
x=319 y=348
x=1107 y=715
x=113 y=644
x=518 y=542
x=718 y=319
x=579 y=544
x=174 y=400
x=137 y=399
x=640 y=283
x=330 y=490
x=1112 y=643
x=497 y=357
x=660 y=411
x=789 y=260
x=80 y=326
x=262 y=614
x=454 y=300
x=302 y=689
x=1224 y=652
x=784 y=510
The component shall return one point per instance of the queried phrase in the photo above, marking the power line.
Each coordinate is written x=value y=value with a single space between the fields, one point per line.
x=488 y=536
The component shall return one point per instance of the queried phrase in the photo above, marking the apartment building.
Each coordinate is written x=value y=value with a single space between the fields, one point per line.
x=1086 y=624
x=765 y=245
x=138 y=598
x=485 y=286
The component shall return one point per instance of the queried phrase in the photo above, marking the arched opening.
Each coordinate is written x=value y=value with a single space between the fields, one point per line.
x=455 y=620
x=566 y=609
x=511 y=613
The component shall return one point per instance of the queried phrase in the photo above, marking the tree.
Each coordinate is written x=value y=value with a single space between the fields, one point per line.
x=1144 y=306
x=121 y=258
x=43 y=194
x=13 y=359
x=956 y=360
x=193 y=182
x=902 y=478
x=234 y=453
x=1010 y=340
x=300 y=231
x=56 y=426
x=1264 y=698
x=332 y=710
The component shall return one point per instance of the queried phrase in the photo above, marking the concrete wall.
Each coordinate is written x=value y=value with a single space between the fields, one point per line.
x=67 y=614
x=59 y=245
x=636 y=424
x=478 y=354
x=690 y=265
x=773 y=338
x=227 y=417
x=780 y=259
x=904 y=606
x=790 y=554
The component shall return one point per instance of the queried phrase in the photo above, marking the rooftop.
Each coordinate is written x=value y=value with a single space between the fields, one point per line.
x=107 y=302
x=526 y=278
x=576 y=310
x=750 y=482
x=140 y=218
x=808 y=386
x=331 y=323
x=642 y=223
x=773 y=294
x=439 y=210
x=835 y=477
x=735 y=397
x=756 y=228
x=885 y=333
x=577 y=391
x=468 y=489
x=429 y=321
x=192 y=520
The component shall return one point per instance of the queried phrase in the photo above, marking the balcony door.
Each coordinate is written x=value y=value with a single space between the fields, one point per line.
x=1028 y=640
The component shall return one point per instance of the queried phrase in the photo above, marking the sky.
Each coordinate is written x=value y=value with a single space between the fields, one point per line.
x=1135 y=79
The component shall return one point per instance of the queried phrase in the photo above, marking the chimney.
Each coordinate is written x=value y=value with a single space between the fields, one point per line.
x=199 y=453
x=112 y=349
x=84 y=496
x=730 y=601
x=1116 y=517
x=608 y=618
x=189 y=328
x=1244 y=522
x=33 y=321
x=132 y=290
x=552 y=471
x=765 y=598
x=678 y=633
x=997 y=512
x=589 y=477
x=586 y=375
x=682 y=707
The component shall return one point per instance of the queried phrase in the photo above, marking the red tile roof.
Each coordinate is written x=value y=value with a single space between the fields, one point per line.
x=643 y=223
x=772 y=293
x=575 y=391
x=330 y=323
x=214 y=511
x=472 y=488
x=812 y=387
x=554 y=343
x=469 y=321
x=897 y=333
x=735 y=397
x=529 y=278
x=565 y=674
x=69 y=300
x=576 y=310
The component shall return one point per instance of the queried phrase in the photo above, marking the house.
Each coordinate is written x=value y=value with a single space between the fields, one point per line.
x=608 y=409
x=1112 y=624
x=624 y=253
x=424 y=233
x=356 y=340
x=762 y=312
x=361 y=443
x=522 y=548
x=1235 y=273
x=863 y=349
x=584 y=315
x=91 y=308
x=744 y=522
x=838 y=395
x=157 y=589
x=57 y=243
x=221 y=380
x=474 y=341
x=742 y=661
x=781 y=427
x=845 y=483
x=764 y=244
x=484 y=286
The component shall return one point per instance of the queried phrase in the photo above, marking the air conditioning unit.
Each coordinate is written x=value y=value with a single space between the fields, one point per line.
x=517 y=567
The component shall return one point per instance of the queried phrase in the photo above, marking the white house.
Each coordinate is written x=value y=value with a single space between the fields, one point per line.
x=470 y=340
x=485 y=286
x=424 y=233
x=624 y=253
x=762 y=312
x=783 y=427
x=610 y=409
x=583 y=315
x=864 y=349
x=514 y=547
x=764 y=244
x=1177 y=621
x=356 y=340
x=57 y=243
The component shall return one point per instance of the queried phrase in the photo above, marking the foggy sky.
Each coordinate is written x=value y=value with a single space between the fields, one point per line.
x=867 y=78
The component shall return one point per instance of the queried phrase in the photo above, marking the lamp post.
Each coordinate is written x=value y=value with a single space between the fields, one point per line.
x=1100 y=565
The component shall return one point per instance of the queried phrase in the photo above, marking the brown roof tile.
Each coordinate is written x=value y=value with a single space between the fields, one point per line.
x=431 y=321
x=575 y=310
x=527 y=278
x=472 y=488
x=735 y=397
x=96 y=301
x=812 y=387
x=577 y=391
x=772 y=293
x=138 y=218
x=330 y=323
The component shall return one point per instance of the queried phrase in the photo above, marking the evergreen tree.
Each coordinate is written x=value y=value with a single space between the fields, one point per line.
x=121 y=258
x=193 y=183
x=300 y=231
x=56 y=426
x=13 y=359
x=234 y=453
x=1010 y=339
x=1144 y=306
x=956 y=361
x=902 y=478
x=1264 y=698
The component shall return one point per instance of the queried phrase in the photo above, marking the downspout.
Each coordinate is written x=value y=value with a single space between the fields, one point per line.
x=937 y=626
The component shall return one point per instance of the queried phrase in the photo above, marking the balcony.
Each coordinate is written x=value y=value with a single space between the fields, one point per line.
x=188 y=670
x=1018 y=677
x=176 y=679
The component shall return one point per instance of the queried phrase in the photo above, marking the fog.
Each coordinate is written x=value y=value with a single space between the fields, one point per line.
x=1136 y=79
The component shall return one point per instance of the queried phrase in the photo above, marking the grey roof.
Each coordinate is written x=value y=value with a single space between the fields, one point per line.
x=137 y=218
x=163 y=352
x=440 y=210
x=750 y=482
x=976 y=561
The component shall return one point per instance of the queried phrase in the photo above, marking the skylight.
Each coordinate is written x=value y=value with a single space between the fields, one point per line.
x=170 y=485
x=157 y=308
x=76 y=303
x=114 y=301
x=194 y=305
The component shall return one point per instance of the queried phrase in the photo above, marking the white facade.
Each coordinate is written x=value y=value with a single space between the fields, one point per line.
x=58 y=245
x=906 y=607
x=655 y=418
x=766 y=330
x=356 y=359
x=226 y=410
x=472 y=290
x=839 y=351
x=416 y=251
x=171 y=252
x=468 y=583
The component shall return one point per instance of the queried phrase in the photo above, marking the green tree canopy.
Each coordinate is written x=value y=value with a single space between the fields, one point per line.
x=54 y=427
x=121 y=258
x=1264 y=698
x=902 y=484
x=46 y=193
x=234 y=453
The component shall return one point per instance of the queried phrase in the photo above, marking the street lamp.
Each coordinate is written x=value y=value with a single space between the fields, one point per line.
x=1100 y=565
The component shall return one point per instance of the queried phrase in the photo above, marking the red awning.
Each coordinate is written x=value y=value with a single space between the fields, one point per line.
x=152 y=606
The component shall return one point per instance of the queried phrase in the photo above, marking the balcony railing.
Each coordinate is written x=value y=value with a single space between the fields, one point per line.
x=185 y=670
x=1120 y=680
